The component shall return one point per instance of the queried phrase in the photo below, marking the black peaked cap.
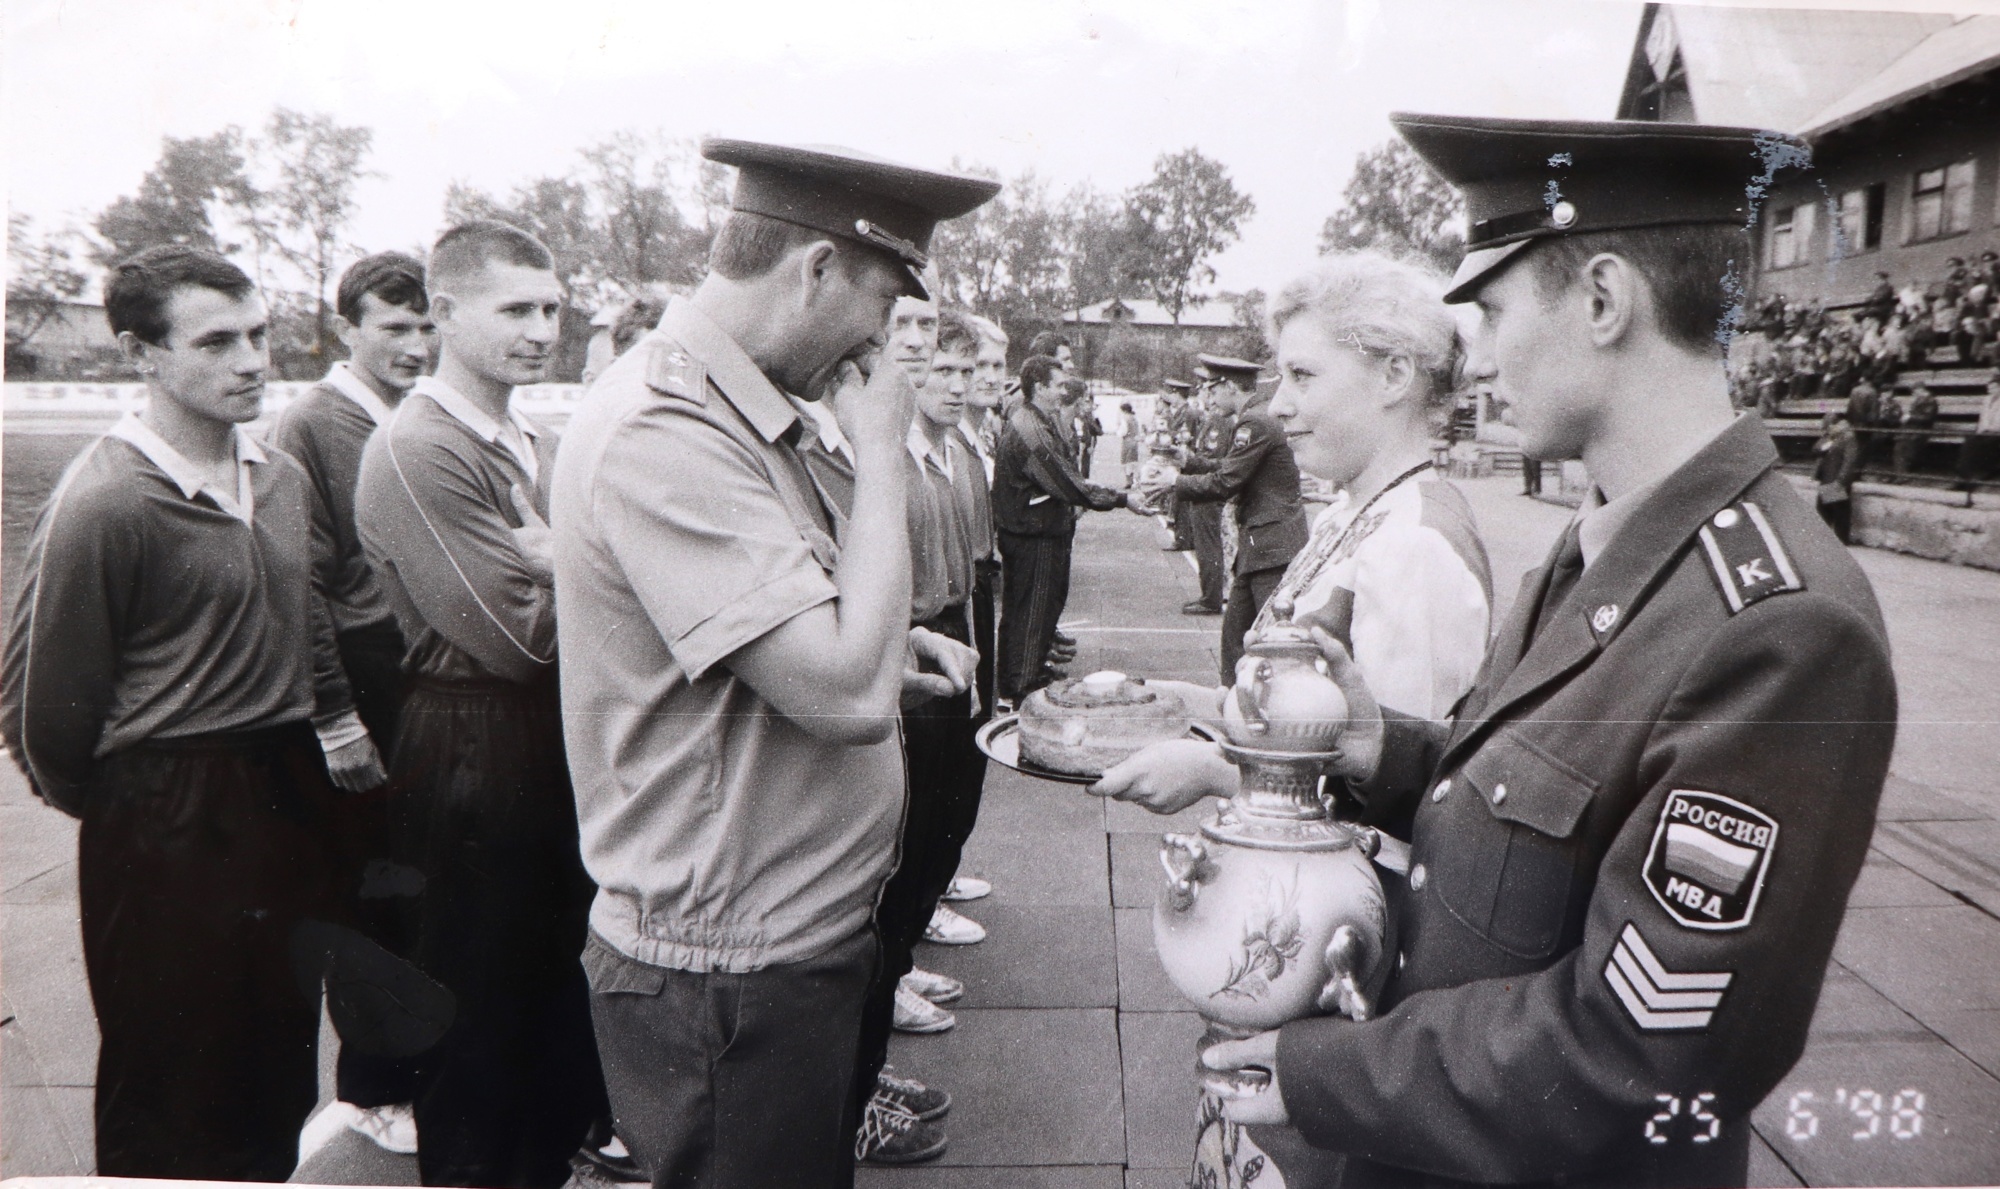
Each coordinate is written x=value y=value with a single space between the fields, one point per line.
x=1525 y=180
x=884 y=205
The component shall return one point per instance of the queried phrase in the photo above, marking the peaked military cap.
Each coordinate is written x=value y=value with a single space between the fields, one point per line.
x=1224 y=367
x=1177 y=385
x=854 y=196
x=1525 y=180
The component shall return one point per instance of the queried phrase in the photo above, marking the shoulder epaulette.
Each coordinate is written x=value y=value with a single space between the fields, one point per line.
x=1749 y=562
x=671 y=371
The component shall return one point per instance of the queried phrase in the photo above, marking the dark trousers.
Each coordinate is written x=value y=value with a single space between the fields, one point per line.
x=946 y=774
x=380 y=903
x=985 y=631
x=1034 y=587
x=1247 y=595
x=1976 y=456
x=482 y=807
x=1908 y=446
x=197 y=862
x=721 y=1080
x=1839 y=516
x=1531 y=475
x=1205 y=528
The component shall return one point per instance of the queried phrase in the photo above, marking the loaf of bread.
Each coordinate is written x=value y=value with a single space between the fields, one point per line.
x=1085 y=725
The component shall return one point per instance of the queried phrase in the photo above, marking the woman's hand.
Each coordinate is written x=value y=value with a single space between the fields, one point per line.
x=1168 y=777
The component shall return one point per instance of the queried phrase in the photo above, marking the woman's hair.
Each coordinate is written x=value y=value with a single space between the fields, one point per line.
x=1383 y=307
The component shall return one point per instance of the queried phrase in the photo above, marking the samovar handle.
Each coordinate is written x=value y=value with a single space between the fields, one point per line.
x=1250 y=698
x=1347 y=962
x=1183 y=856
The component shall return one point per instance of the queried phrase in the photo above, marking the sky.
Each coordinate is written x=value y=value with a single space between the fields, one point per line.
x=1284 y=92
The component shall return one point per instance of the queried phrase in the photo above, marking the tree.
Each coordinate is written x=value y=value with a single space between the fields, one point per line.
x=42 y=276
x=309 y=166
x=1100 y=247
x=1396 y=203
x=638 y=213
x=553 y=210
x=178 y=199
x=1180 y=219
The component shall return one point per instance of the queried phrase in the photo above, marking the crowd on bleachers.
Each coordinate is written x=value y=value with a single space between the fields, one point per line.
x=1801 y=350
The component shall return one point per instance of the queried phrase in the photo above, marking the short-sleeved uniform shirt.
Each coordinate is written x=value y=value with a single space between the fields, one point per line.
x=722 y=836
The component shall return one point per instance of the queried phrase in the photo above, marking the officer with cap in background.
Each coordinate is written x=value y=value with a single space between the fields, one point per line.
x=1207 y=443
x=1633 y=847
x=1174 y=425
x=734 y=671
x=1258 y=475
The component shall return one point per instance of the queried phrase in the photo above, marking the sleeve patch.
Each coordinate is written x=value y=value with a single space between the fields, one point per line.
x=1658 y=999
x=1749 y=562
x=1707 y=861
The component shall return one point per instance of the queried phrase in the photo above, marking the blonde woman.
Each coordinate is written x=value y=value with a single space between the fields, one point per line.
x=1368 y=360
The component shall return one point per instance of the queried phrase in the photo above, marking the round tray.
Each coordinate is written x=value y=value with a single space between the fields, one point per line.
x=1001 y=741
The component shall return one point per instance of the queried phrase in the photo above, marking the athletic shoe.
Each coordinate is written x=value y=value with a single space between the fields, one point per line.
x=938 y=988
x=968 y=887
x=914 y=1013
x=891 y=1135
x=610 y=1163
x=1197 y=607
x=393 y=1128
x=925 y=1102
x=948 y=927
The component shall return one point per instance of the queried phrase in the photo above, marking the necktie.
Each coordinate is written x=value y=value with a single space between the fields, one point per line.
x=1563 y=573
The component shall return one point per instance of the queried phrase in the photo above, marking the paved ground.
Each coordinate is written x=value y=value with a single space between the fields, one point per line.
x=1071 y=1060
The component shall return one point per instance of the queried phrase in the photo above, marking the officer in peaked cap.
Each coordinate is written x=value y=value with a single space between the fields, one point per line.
x=1633 y=845
x=734 y=635
x=1226 y=384
x=1245 y=463
x=854 y=196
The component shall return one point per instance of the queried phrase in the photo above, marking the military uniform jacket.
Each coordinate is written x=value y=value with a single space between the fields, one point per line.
x=1250 y=462
x=1631 y=854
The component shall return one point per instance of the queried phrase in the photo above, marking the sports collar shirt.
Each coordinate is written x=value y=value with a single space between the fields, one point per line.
x=517 y=435
x=342 y=379
x=722 y=835
x=435 y=509
x=155 y=605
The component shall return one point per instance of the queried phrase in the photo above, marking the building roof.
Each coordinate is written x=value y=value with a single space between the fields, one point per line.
x=1770 y=68
x=1138 y=311
x=1968 y=47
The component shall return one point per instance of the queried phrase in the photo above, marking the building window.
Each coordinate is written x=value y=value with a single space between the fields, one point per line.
x=1791 y=236
x=1941 y=201
x=1860 y=219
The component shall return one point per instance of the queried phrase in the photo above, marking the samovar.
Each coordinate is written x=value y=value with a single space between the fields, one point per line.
x=1273 y=911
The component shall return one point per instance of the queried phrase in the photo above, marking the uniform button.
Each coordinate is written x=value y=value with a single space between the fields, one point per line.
x=1726 y=518
x=1499 y=793
x=1437 y=794
x=1402 y=959
x=1419 y=876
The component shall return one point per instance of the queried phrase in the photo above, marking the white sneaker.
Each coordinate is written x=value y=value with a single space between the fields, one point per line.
x=968 y=887
x=914 y=1013
x=938 y=988
x=393 y=1128
x=948 y=927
